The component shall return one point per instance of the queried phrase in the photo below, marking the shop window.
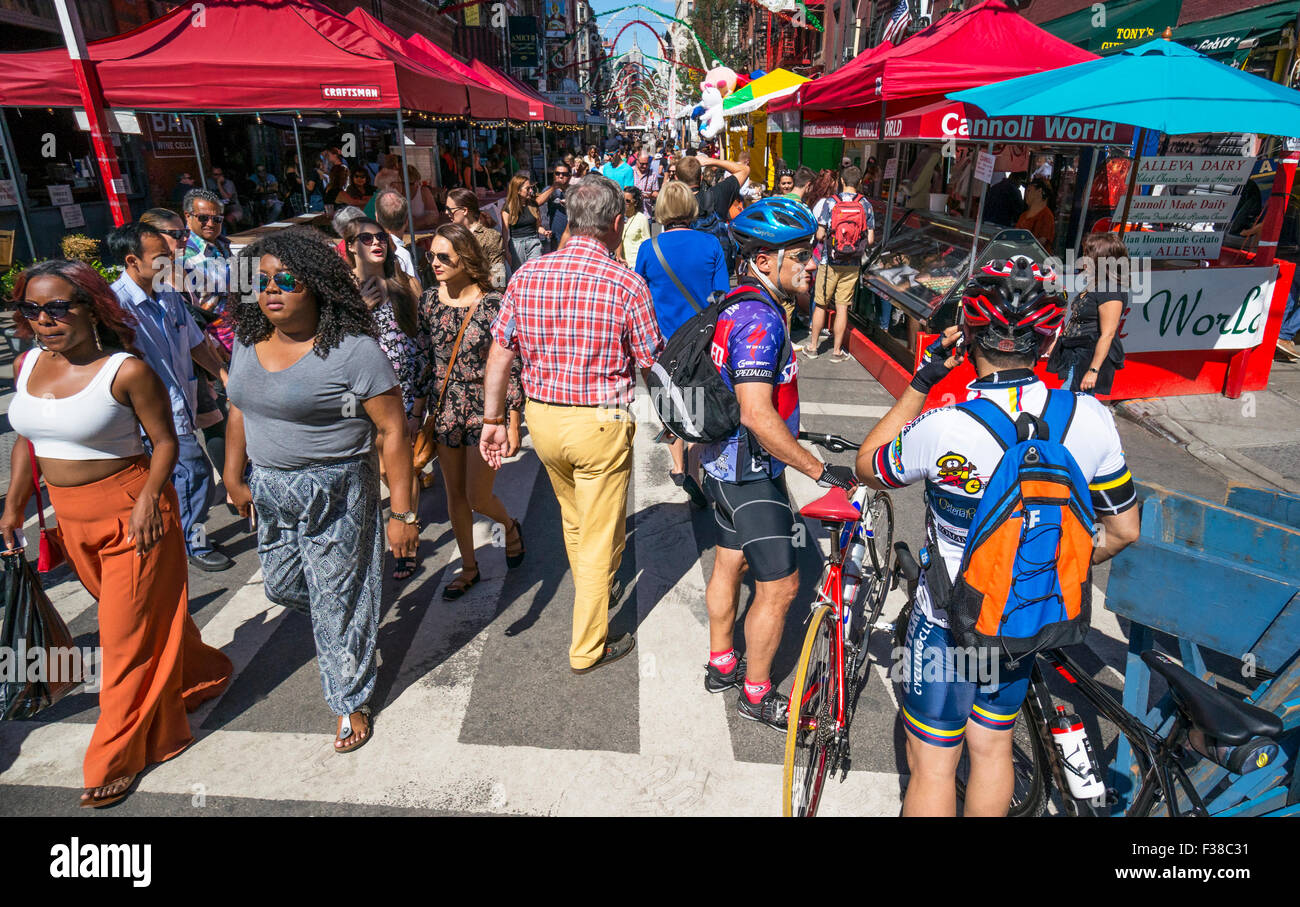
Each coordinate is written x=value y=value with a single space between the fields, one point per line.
x=52 y=151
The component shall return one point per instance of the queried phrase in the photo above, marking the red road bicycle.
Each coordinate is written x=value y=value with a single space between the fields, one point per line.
x=834 y=664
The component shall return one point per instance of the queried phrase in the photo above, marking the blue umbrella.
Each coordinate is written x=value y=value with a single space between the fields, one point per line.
x=1159 y=85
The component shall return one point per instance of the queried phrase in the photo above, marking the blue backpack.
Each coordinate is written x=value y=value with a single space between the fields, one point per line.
x=1025 y=582
x=709 y=222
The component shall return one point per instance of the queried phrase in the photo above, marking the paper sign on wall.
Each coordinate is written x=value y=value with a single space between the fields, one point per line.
x=72 y=216
x=891 y=168
x=8 y=193
x=984 y=167
x=60 y=195
x=1186 y=170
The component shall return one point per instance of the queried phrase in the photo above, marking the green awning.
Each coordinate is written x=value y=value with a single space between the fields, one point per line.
x=1126 y=23
x=1222 y=35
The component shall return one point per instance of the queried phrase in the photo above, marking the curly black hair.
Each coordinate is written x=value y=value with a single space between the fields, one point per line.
x=307 y=254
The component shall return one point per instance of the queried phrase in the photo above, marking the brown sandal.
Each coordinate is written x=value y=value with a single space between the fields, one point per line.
x=346 y=732
x=88 y=799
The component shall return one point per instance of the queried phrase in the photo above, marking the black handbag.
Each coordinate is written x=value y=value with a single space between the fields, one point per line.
x=30 y=684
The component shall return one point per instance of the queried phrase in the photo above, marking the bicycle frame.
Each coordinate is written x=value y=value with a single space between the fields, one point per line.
x=832 y=593
x=1162 y=772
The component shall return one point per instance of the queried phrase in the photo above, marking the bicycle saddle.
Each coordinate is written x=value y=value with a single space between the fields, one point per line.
x=834 y=506
x=1219 y=714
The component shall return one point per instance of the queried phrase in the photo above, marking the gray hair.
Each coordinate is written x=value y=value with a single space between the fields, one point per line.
x=345 y=216
x=201 y=195
x=391 y=208
x=593 y=205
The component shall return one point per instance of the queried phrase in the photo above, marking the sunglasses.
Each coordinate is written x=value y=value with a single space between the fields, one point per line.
x=206 y=219
x=370 y=238
x=175 y=234
x=283 y=279
x=561 y=174
x=452 y=211
x=800 y=257
x=446 y=260
x=55 y=308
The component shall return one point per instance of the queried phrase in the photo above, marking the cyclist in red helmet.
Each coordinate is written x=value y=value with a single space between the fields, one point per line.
x=1009 y=315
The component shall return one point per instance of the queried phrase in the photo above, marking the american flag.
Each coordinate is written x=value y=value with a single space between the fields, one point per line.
x=898 y=22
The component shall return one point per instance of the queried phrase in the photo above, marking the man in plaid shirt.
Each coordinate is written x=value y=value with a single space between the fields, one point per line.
x=580 y=321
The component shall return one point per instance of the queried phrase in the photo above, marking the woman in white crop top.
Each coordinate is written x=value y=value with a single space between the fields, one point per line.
x=82 y=399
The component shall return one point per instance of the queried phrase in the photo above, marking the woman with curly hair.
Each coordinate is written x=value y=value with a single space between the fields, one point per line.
x=462 y=305
x=309 y=389
x=393 y=298
x=81 y=400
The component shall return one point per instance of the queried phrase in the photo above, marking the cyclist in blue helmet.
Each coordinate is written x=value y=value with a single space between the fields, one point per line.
x=744 y=472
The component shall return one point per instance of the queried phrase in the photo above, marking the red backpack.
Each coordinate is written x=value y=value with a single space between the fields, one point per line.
x=848 y=232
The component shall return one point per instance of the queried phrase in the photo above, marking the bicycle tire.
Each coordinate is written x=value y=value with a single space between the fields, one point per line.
x=880 y=545
x=811 y=698
x=1029 y=765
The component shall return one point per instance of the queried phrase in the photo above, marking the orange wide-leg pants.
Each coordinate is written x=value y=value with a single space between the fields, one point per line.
x=154 y=665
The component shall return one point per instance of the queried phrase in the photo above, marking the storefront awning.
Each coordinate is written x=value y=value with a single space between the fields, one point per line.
x=1223 y=36
x=944 y=120
x=1127 y=22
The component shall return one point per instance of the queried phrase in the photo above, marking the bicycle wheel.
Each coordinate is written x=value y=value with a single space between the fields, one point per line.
x=812 y=700
x=880 y=545
x=1029 y=767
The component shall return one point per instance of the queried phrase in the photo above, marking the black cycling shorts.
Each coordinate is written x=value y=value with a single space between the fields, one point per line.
x=756 y=518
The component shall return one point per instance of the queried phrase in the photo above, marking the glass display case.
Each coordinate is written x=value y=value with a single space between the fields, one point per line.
x=915 y=280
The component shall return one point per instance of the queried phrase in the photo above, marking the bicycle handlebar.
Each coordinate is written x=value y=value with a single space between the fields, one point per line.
x=833 y=443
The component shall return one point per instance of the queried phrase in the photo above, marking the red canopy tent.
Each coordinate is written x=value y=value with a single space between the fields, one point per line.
x=506 y=83
x=986 y=43
x=520 y=106
x=484 y=101
x=232 y=55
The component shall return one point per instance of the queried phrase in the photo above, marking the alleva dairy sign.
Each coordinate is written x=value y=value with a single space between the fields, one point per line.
x=1200 y=309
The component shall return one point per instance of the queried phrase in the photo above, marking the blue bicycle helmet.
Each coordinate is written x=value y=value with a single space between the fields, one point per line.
x=772 y=223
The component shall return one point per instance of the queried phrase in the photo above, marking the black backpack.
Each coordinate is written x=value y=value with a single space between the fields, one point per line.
x=708 y=221
x=686 y=387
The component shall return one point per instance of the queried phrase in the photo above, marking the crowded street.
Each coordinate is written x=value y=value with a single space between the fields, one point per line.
x=691 y=409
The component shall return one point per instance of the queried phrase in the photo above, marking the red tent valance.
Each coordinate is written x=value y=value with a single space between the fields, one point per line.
x=239 y=55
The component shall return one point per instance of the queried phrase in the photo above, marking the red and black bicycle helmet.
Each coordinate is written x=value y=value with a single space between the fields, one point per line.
x=1012 y=306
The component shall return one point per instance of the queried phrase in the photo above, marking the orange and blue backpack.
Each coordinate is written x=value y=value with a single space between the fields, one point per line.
x=1025 y=582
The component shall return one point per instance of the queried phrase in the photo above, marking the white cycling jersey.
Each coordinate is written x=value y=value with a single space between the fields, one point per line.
x=955 y=455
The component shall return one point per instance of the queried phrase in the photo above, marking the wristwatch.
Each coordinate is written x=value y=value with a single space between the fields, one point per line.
x=410 y=517
x=1094 y=370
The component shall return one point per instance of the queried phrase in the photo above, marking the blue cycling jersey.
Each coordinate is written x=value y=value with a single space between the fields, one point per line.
x=748 y=342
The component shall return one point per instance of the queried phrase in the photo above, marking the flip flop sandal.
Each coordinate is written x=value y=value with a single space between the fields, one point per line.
x=514 y=560
x=404 y=565
x=345 y=731
x=451 y=593
x=99 y=803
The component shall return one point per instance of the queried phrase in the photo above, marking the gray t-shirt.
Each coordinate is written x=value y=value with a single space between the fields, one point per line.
x=311 y=412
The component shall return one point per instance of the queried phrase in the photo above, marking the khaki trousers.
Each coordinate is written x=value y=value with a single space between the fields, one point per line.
x=587 y=451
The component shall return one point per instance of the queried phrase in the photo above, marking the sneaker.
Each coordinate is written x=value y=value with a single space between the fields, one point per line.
x=770 y=710
x=840 y=356
x=716 y=682
x=1288 y=349
x=614 y=650
x=810 y=352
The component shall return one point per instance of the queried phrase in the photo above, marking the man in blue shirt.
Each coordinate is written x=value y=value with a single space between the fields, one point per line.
x=172 y=344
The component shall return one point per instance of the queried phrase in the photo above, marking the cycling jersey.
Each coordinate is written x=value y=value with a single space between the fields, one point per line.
x=955 y=456
x=748 y=343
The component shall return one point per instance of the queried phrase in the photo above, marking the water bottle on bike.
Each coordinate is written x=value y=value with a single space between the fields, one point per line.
x=1080 y=765
x=854 y=558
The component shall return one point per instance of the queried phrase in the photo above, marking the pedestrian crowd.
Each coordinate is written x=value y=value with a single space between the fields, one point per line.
x=353 y=362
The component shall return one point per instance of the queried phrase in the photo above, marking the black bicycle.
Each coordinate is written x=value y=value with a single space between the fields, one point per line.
x=1208 y=723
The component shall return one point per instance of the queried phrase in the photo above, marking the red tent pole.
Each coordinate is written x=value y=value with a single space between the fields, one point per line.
x=92 y=98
